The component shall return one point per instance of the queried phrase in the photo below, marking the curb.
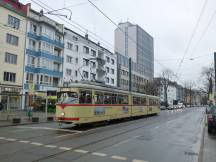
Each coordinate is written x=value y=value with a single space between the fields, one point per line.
x=11 y=125
x=200 y=157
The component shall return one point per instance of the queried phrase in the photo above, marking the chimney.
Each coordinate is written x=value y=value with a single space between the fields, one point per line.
x=86 y=36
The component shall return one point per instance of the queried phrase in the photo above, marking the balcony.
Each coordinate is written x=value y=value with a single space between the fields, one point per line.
x=44 y=54
x=43 y=71
x=46 y=39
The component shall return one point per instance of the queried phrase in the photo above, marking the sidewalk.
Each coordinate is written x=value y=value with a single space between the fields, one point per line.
x=209 y=150
x=7 y=117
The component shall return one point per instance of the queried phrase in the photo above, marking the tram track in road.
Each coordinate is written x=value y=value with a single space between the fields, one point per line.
x=104 y=139
x=148 y=122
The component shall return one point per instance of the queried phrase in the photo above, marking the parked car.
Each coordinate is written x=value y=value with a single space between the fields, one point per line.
x=163 y=107
x=211 y=117
x=171 y=107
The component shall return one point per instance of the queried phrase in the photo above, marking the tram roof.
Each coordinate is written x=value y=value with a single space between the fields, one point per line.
x=104 y=88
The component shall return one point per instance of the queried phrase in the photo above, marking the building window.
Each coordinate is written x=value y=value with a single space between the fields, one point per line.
x=112 y=81
x=11 y=39
x=33 y=28
x=93 y=64
x=93 y=53
x=85 y=49
x=29 y=78
x=85 y=62
x=77 y=60
x=76 y=73
x=69 y=59
x=9 y=77
x=85 y=74
x=69 y=46
x=92 y=76
x=107 y=80
x=76 y=48
x=47 y=47
x=13 y=22
x=112 y=61
x=107 y=69
x=31 y=61
x=10 y=58
x=55 y=81
x=32 y=44
x=68 y=72
x=56 y=66
x=112 y=71
x=107 y=59
x=57 y=38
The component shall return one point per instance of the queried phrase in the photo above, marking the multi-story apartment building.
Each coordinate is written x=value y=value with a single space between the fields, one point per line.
x=12 y=51
x=44 y=54
x=85 y=60
x=131 y=41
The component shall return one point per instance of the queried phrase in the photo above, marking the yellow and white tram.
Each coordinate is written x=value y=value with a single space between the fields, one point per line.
x=85 y=103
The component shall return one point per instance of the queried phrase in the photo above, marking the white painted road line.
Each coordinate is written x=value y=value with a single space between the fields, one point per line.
x=50 y=146
x=81 y=151
x=119 y=157
x=99 y=154
x=64 y=135
x=65 y=148
x=24 y=141
x=36 y=143
x=1 y=138
x=135 y=160
x=10 y=139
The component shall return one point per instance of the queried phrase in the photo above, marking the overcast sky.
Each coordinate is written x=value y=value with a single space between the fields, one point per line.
x=170 y=22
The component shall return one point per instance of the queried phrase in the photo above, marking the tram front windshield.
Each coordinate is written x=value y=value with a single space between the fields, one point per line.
x=68 y=97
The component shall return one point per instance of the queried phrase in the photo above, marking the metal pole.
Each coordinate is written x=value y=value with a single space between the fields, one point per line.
x=130 y=74
x=214 y=90
x=46 y=107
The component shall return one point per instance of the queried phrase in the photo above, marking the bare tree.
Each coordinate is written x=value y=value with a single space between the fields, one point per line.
x=166 y=76
x=207 y=76
x=152 y=87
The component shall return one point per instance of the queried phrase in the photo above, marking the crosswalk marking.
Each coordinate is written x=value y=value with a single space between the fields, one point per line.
x=10 y=139
x=24 y=141
x=36 y=143
x=119 y=157
x=50 y=146
x=81 y=151
x=1 y=138
x=99 y=154
x=65 y=148
x=135 y=160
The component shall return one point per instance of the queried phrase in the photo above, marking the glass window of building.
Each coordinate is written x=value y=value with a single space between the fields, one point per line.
x=112 y=81
x=92 y=76
x=107 y=69
x=93 y=52
x=85 y=74
x=69 y=59
x=112 y=61
x=112 y=71
x=77 y=60
x=76 y=73
x=69 y=46
x=31 y=61
x=107 y=59
x=11 y=39
x=10 y=58
x=9 y=77
x=33 y=28
x=76 y=48
x=68 y=72
x=13 y=22
x=32 y=44
x=29 y=78
x=107 y=80
x=56 y=66
x=85 y=49
x=85 y=62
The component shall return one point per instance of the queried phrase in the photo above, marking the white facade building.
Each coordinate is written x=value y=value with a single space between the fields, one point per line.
x=171 y=94
x=85 y=60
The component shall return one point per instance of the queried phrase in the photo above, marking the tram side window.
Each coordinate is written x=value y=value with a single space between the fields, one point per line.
x=85 y=97
x=136 y=101
x=107 y=98
x=98 y=98
x=114 y=99
x=125 y=99
x=143 y=101
x=120 y=99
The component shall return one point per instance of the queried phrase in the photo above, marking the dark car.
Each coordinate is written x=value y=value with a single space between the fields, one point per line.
x=211 y=116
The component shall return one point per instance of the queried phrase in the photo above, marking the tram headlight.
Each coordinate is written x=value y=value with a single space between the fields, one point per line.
x=62 y=113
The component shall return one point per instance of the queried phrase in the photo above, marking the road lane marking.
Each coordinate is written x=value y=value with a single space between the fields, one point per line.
x=119 y=157
x=64 y=135
x=125 y=141
x=1 y=138
x=48 y=128
x=10 y=139
x=24 y=141
x=65 y=148
x=135 y=160
x=50 y=146
x=81 y=151
x=36 y=143
x=99 y=154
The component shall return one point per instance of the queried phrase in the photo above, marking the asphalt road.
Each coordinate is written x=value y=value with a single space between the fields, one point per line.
x=173 y=136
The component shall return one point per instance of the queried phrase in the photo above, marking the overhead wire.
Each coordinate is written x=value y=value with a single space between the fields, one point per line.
x=192 y=36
